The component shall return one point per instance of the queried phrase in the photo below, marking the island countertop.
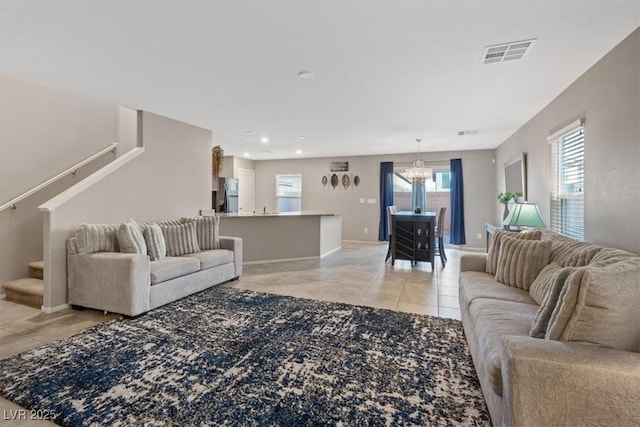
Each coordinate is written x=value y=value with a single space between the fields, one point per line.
x=276 y=214
x=284 y=236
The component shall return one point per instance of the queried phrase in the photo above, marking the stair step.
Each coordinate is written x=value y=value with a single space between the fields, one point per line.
x=27 y=291
x=36 y=269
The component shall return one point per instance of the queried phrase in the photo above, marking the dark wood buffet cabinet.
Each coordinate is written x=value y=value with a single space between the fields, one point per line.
x=413 y=237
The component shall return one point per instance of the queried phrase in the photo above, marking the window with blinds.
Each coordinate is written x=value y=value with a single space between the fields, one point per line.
x=567 y=163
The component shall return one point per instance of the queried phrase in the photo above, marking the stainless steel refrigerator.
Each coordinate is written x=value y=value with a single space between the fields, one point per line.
x=225 y=198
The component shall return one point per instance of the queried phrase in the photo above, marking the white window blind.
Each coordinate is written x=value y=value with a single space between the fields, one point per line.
x=567 y=163
x=289 y=192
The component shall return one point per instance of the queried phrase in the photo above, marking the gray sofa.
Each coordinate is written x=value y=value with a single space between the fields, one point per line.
x=584 y=368
x=131 y=284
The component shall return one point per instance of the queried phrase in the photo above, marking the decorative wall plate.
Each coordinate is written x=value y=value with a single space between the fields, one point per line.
x=356 y=180
x=325 y=181
x=346 y=181
x=334 y=180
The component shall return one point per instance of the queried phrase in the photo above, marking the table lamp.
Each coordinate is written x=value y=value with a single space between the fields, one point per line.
x=524 y=215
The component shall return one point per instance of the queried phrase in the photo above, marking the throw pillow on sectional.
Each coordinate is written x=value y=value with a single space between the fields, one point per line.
x=599 y=305
x=130 y=238
x=520 y=261
x=552 y=290
x=496 y=241
x=180 y=239
x=156 y=245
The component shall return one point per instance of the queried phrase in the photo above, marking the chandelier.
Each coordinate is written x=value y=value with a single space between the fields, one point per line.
x=418 y=172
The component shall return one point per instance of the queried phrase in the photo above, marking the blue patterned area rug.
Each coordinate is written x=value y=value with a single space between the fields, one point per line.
x=232 y=357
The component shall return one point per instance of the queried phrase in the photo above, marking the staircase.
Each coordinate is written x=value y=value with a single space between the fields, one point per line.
x=27 y=291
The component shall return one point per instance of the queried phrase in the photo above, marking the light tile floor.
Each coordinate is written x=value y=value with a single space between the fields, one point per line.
x=357 y=274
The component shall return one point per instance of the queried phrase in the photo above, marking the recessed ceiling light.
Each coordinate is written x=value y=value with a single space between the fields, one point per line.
x=247 y=154
x=301 y=137
x=306 y=75
x=264 y=139
x=298 y=151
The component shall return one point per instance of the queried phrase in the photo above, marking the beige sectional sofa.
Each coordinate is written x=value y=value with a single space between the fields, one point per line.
x=559 y=344
x=102 y=277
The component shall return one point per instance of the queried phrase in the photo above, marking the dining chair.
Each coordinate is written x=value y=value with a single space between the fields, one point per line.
x=390 y=210
x=440 y=236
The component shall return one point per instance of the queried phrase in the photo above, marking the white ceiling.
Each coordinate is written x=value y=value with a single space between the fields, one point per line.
x=386 y=72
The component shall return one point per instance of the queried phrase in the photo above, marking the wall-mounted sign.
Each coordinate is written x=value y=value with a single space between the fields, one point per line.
x=339 y=166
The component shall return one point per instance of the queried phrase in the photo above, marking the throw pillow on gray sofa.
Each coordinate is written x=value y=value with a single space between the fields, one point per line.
x=92 y=238
x=180 y=239
x=130 y=238
x=520 y=261
x=156 y=246
x=206 y=231
x=552 y=288
x=600 y=306
x=496 y=243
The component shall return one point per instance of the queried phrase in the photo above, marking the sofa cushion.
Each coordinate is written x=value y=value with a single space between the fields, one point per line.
x=180 y=239
x=599 y=305
x=212 y=258
x=520 y=261
x=552 y=290
x=496 y=243
x=475 y=284
x=130 y=238
x=156 y=246
x=491 y=320
x=92 y=238
x=172 y=267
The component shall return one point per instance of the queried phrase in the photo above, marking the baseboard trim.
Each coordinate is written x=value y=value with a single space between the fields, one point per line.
x=330 y=252
x=369 y=242
x=49 y=310
x=270 y=261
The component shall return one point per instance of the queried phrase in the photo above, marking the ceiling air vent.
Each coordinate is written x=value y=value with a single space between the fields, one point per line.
x=506 y=51
x=467 y=132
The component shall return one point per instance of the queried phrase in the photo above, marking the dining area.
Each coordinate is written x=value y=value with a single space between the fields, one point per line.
x=416 y=236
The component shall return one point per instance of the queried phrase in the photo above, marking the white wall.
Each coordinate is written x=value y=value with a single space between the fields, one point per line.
x=608 y=97
x=479 y=191
x=171 y=178
x=43 y=131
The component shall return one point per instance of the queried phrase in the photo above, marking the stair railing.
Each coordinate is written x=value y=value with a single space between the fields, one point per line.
x=72 y=170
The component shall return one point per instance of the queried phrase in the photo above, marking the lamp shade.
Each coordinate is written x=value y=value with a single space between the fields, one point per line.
x=524 y=215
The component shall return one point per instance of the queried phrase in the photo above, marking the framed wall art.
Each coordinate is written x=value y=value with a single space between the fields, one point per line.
x=339 y=166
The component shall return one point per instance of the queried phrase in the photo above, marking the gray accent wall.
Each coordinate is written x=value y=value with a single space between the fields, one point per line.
x=172 y=178
x=607 y=96
x=479 y=179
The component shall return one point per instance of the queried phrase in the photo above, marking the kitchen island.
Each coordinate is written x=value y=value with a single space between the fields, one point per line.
x=271 y=237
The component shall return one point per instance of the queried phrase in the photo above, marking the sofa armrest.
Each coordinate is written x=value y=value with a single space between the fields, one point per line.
x=473 y=262
x=233 y=244
x=562 y=383
x=110 y=281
